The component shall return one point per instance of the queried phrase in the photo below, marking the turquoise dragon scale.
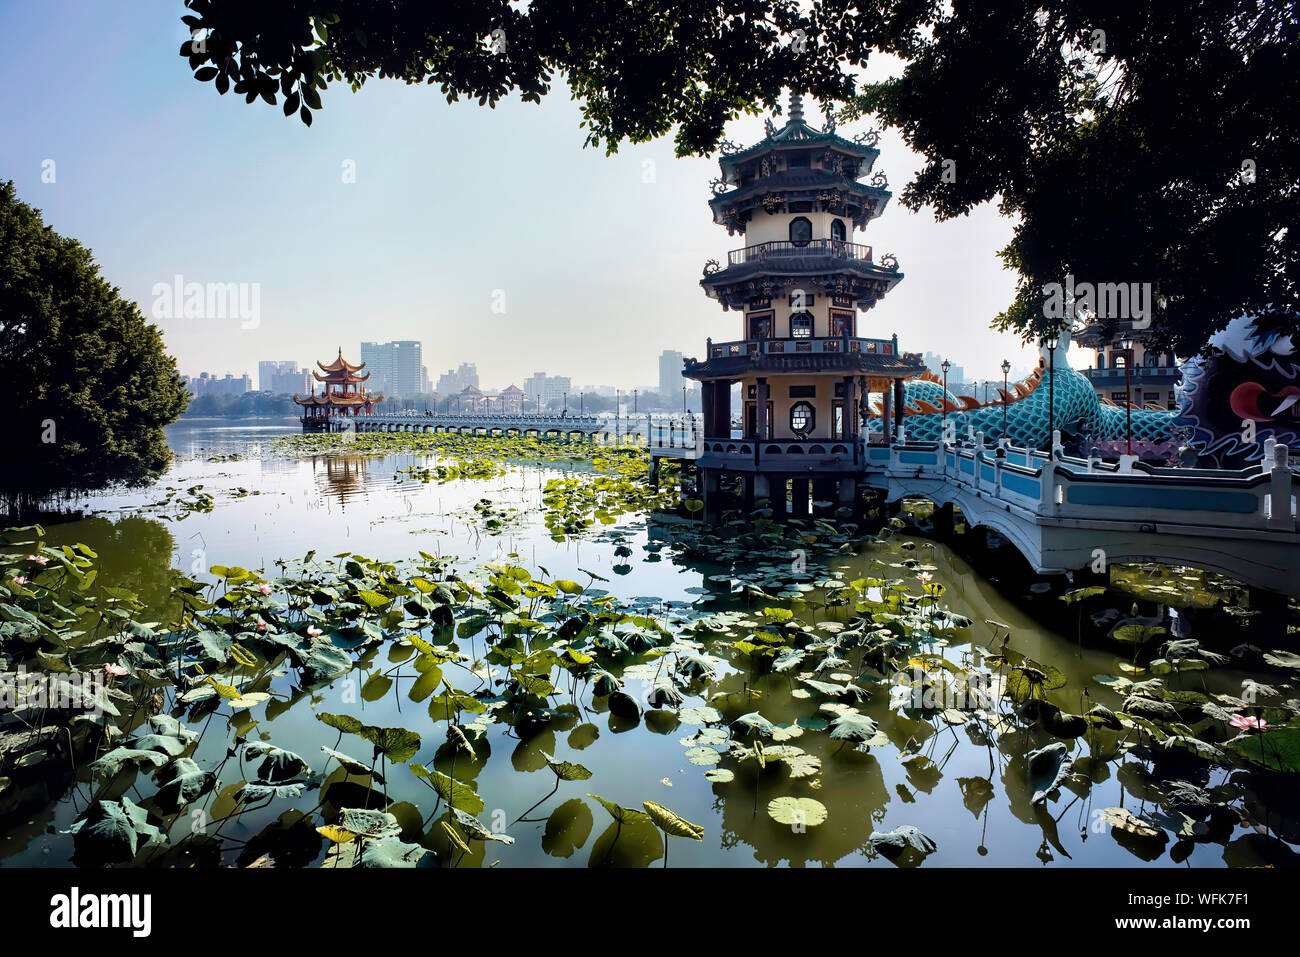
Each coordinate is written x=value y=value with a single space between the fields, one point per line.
x=1085 y=421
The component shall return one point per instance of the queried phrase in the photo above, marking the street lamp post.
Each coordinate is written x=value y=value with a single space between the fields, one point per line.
x=1127 y=346
x=683 y=398
x=566 y=405
x=945 y=366
x=1052 y=340
x=582 y=403
x=1006 y=371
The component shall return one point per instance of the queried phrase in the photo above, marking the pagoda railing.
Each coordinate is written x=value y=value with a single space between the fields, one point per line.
x=785 y=249
x=837 y=344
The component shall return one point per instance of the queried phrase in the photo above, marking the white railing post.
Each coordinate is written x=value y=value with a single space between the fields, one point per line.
x=1280 y=514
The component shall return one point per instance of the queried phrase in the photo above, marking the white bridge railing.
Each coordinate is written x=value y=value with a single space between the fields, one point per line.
x=1073 y=490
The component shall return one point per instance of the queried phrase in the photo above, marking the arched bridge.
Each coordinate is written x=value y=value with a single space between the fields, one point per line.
x=1064 y=513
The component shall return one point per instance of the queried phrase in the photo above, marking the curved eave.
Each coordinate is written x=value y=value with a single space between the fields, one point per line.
x=338 y=400
x=853 y=363
x=783 y=142
x=796 y=270
x=338 y=378
x=871 y=200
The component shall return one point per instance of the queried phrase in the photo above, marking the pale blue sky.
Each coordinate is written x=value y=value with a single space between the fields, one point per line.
x=599 y=258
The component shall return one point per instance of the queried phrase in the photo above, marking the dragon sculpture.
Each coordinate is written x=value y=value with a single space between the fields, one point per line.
x=1245 y=391
x=1085 y=421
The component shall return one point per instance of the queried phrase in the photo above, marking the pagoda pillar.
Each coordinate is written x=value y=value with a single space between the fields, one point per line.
x=887 y=416
x=761 y=393
x=898 y=406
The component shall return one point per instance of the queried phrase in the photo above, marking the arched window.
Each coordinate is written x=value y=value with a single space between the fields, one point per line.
x=838 y=231
x=1101 y=360
x=801 y=325
x=803 y=418
x=801 y=231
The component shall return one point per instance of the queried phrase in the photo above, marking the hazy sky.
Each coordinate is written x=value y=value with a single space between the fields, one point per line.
x=593 y=262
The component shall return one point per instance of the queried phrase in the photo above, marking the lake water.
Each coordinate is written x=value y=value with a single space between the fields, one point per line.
x=972 y=799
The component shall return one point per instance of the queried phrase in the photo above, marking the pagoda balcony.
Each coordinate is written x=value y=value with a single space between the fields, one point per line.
x=793 y=456
x=837 y=345
x=784 y=250
x=1140 y=375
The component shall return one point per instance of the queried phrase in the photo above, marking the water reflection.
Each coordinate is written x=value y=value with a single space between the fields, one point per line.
x=969 y=790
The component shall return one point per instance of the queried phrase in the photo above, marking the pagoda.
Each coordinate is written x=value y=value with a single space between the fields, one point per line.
x=799 y=284
x=343 y=395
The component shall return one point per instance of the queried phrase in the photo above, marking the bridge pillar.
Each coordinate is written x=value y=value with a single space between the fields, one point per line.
x=799 y=495
x=943 y=521
x=712 y=496
x=823 y=490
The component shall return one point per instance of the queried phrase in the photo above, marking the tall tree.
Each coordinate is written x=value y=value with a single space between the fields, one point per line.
x=1136 y=141
x=88 y=381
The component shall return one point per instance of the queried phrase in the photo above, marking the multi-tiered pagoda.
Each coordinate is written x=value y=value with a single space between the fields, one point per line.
x=799 y=284
x=343 y=394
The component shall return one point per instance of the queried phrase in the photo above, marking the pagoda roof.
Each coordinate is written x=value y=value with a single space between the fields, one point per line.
x=798 y=134
x=340 y=364
x=334 y=378
x=351 y=399
x=512 y=389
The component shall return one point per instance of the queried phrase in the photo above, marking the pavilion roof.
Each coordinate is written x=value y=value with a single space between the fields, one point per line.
x=354 y=398
x=340 y=364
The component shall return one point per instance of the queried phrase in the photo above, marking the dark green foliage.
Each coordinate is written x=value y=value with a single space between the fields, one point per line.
x=89 y=383
x=1124 y=163
x=638 y=67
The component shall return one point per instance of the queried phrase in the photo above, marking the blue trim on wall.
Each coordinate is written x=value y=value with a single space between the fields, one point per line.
x=1022 y=484
x=919 y=458
x=1193 y=500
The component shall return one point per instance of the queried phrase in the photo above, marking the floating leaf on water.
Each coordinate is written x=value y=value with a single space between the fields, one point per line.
x=704 y=757
x=797 y=811
x=720 y=775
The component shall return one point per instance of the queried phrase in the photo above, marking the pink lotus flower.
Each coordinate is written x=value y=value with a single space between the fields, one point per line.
x=261 y=626
x=117 y=671
x=264 y=589
x=20 y=580
x=924 y=577
x=39 y=559
x=313 y=631
x=1244 y=723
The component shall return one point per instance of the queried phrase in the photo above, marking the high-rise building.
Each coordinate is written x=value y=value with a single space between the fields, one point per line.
x=455 y=381
x=395 y=367
x=670 y=372
x=282 y=377
x=543 y=388
x=208 y=384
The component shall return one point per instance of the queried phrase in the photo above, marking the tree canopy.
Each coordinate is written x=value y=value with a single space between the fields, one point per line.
x=90 y=385
x=1142 y=141
x=1145 y=142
